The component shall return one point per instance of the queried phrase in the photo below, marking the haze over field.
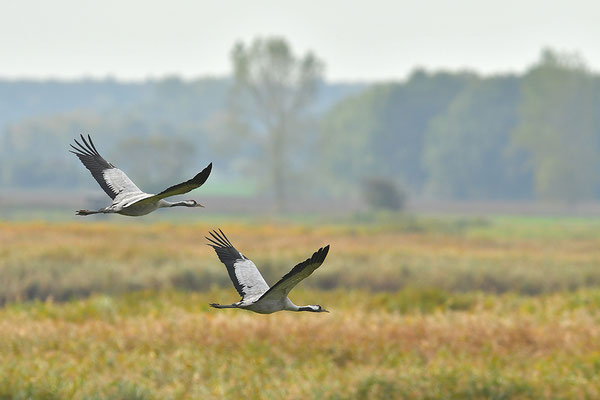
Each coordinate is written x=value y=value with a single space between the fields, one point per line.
x=430 y=101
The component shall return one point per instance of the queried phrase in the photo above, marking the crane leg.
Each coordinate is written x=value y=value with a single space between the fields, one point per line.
x=87 y=212
x=215 y=305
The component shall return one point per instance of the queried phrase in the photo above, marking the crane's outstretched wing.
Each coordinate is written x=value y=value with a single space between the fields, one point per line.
x=296 y=275
x=186 y=186
x=111 y=179
x=243 y=273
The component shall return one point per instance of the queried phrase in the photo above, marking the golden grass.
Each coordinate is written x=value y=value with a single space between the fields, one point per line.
x=66 y=260
x=170 y=345
x=415 y=312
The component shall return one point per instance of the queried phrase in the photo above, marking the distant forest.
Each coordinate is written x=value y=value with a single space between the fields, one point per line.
x=437 y=135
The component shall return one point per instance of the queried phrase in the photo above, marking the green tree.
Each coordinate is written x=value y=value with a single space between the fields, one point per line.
x=347 y=134
x=558 y=127
x=410 y=109
x=380 y=131
x=467 y=153
x=270 y=105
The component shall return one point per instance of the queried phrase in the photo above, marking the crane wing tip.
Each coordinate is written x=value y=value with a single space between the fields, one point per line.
x=324 y=253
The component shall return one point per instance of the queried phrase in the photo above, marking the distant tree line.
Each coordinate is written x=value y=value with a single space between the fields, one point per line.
x=279 y=125
x=464 y=136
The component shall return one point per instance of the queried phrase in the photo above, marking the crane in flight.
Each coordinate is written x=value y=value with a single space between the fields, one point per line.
x=127 y=198
x=256 y=295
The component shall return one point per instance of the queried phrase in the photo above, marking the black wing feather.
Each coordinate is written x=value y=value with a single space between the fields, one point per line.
x=94 y=162
x=299 y=272
x=228 y=256
x=187 y=186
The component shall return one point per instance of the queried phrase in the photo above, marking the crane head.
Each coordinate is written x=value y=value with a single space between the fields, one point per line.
x=194 y=203
x=317 y=308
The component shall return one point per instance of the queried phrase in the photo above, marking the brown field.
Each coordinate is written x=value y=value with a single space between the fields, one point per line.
x=421 y=309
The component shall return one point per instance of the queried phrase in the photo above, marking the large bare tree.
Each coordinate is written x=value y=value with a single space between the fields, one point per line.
x=271 y=102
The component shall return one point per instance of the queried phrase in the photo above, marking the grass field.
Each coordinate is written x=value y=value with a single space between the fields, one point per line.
x=421 y=308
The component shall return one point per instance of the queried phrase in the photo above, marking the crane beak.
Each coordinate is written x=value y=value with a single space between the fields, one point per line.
x=324 y=310
x=199 y=205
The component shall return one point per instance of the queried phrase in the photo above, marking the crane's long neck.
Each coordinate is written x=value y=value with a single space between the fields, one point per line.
x=186 y=203
x=292 y=307
x=289 y=306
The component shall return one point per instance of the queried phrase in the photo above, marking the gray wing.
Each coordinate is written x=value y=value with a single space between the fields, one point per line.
x=296 y=275
x=111 y=179
x=184 y=187
x=243 y=273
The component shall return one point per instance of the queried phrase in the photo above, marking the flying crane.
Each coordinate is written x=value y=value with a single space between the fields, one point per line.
x=256 y=295
x=127 y=198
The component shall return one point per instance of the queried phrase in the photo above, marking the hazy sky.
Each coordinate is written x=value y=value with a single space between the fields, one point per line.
x=358 y=40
